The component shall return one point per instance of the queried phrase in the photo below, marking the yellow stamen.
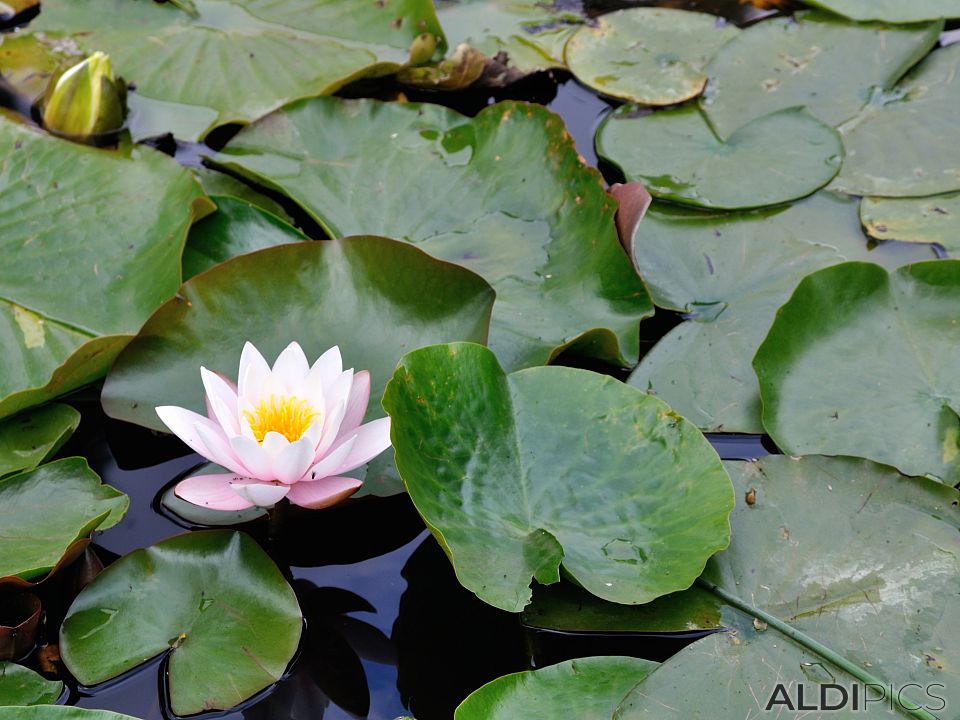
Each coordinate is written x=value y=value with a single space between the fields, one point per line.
x=288 y=415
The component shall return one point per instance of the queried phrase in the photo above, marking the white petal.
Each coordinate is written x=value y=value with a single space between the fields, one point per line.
x=339 y=390
x=253 y=371
x=220 y=450
x=261 y=495
x=274 y=443
x=292 y=463
x=330 y=465
x=253 y=457
x=222 y=400
x=331 y=426
x=291 y=368
x=356 y=404
x=183 y=423
x=325 y=370
x=372 y=439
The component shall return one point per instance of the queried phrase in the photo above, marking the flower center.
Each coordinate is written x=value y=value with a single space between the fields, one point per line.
x=287 y=414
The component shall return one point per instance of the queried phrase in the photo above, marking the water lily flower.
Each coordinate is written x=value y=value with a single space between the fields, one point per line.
x=86 y=100
x=289 y=431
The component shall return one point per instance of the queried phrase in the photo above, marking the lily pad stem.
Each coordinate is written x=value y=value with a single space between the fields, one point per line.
x=813 y=646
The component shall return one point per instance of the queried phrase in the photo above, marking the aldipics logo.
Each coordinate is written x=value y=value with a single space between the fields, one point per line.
x=828 y=697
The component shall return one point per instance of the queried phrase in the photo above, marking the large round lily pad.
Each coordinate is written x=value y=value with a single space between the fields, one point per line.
x=653 y=56
x=33 y=436
x=210 y=599
x=849 y=550
x=58 y=712
x=894 y=11
x=727 y=274
x=44 y=511
x=519 y=474
x=236 y=228
x=933 y=219
x=93 y=241
x=676 y=155
x=375 y=298
x=237 y=60
x=827 y=64
x=504 y=194
x=589 y=688
x=859 y=362
x=22 y=686
x=530 y=34
x=902 y=143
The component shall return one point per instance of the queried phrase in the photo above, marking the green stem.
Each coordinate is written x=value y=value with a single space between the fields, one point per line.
x=810 y=644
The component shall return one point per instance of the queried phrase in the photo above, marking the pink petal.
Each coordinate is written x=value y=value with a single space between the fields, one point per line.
x=372 y=439
x=356 y=404
x=291 y=367
x=331 y=428
x=221 y=400
x=253 y=372
x=260 y=494
x=292 y=463
x=213 y=491
x=183 y=423
x=324 y=493
x=332 y=462
x=253 y=457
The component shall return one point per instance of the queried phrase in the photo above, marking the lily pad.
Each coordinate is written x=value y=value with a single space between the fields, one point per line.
x=22 y=686
x=674 y=153
x=588 y=689
x=504 y=194
x=653 y=56
x=849 y=549
x=93 y=238
x=516 y=479
x=893 y=11
x=375 y=298
x=933 y=219
x=210 y=599
x=727 y=274
x=58 y=712
x=29 y=61
x=901 y=144
x=223 y=185
x=859 y=362
x=32 y=437
x=827 y=64
x=244 y=58
x=531 y=33
x=238 y=227
x=44 y=511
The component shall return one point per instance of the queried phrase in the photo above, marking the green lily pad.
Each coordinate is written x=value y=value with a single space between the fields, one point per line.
x=674 y=153
x=728 y=273
x=210 y=599
x=566 y=608
x=842 y=550
x=223 y=185
x=238 y=227
x=44 y=511
x=375 y=298
x=530 y=32
x=32 y=437
x=933 y=219
x=244 y=58
x=58 y=712
x=653 y=56
x=22 y=686
x=901 y=144
x=504 y=194
x=829 y=65
x=859 y=362
x=588 y=689
x=516 y=479
x=93 y=239
x=893 y=11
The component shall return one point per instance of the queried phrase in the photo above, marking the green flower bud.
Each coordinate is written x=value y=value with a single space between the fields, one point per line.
x=86 y=100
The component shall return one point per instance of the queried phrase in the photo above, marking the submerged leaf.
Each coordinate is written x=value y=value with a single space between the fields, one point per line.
x=516 y=479
x=934 y=219
x=209 y=599
x=504 y=194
